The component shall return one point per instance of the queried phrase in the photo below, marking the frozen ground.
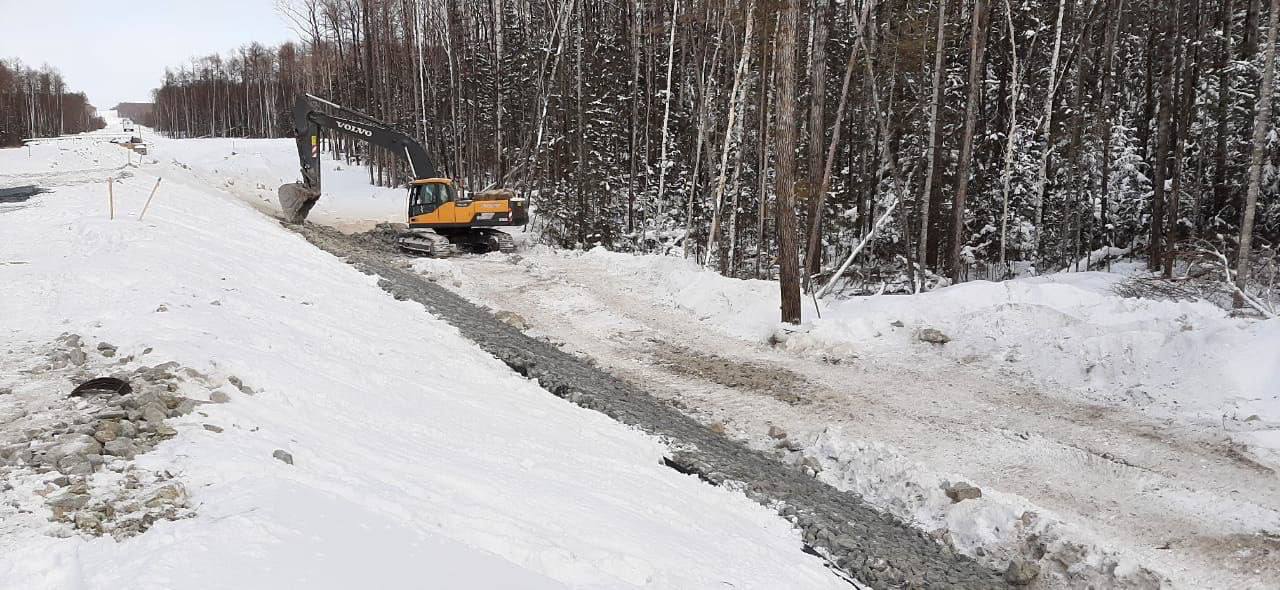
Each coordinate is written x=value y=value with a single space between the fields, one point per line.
x=417 y=459
x=1120 y=442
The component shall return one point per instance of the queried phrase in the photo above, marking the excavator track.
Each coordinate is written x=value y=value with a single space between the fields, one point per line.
x=480 y=240
x=426 y=243
x=499 y=240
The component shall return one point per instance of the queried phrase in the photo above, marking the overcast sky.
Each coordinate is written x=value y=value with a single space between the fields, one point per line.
x=117 y=51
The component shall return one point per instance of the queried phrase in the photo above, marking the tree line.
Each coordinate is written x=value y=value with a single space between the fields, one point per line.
x=37 y=103
x=956 y=138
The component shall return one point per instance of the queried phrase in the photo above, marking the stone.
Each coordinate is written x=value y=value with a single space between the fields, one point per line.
x=163 y=308
x=245 y=389
x=88 y=522
x=512 y=319
x=75 y=443
x=75 y=465
x=717 y=427
x=111 y=414
x=6 y=390
x=933 y=336
x=1021 y=572
x=282 y=455
x=184 y=407
x=777 y=433
x=107 y=431
x=77 y=357
x=897 y=324
x=106 y=349
x=121 y=447
x=154 y=413
x=172 y=494
x=68 y=500
x=166 y=431
x=219 y=397
x=961 y=491
x=128 y=429
x=212 y=428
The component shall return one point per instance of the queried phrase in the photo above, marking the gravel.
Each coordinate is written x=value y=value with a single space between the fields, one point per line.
x=875 y=548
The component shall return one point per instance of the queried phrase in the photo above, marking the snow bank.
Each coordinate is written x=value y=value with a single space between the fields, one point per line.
x=418 y=459
x=1064 y=330
x=744 y=308
x=1070 y=330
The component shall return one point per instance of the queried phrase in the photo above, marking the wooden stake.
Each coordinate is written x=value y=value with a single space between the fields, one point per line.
x=149 y=197
x=111 y=199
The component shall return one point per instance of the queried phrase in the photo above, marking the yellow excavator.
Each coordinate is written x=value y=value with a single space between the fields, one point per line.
x=440 y=222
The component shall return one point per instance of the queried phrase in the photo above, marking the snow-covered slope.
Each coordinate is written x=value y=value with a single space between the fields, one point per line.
x=418 y=460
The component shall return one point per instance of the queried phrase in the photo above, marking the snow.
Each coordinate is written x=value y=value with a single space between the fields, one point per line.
x=418 y=459
x=1112 y=490
x=1067 y=330
x=253 y=169
x=1114 y=433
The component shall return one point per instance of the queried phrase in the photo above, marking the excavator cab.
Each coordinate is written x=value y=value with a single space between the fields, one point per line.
x=428 y=196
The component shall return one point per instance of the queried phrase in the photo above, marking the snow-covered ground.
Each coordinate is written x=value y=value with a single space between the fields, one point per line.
x=417 y=459
x=1109 y=491
x=1119 y=441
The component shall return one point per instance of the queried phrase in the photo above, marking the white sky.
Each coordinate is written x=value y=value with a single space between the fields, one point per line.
x=117 y=51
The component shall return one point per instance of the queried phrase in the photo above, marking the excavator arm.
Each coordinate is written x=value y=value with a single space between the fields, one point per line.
x=297 y=199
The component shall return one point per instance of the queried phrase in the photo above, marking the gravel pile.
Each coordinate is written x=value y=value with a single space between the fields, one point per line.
x=873 y=547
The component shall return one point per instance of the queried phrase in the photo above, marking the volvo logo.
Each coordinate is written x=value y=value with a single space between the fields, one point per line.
x=354 y=129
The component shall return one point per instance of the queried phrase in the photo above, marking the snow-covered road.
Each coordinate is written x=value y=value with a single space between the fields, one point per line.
x=1106 y=491
x=415 y=459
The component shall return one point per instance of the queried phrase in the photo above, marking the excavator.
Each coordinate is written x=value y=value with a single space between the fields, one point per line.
x=440 y=222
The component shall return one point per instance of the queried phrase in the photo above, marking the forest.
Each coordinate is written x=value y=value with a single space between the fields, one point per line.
x=934 y=141
x=37 y=103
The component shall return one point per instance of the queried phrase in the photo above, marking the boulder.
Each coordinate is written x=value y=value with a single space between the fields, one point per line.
x=1021 y=572
x=933 y=336
x=961 y=491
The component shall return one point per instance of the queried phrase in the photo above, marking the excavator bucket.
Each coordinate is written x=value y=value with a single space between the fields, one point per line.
x=296 y=201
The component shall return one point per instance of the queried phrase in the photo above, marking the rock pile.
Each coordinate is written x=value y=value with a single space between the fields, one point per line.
x=73 y=450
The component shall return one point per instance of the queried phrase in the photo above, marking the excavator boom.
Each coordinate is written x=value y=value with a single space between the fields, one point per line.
x=296 y=200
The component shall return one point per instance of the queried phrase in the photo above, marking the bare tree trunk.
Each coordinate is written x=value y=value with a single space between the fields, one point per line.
x=1160 y=160
x=732 y=134
x=767 y=68
x=1190 y=67
x=812 y=262
x=788 y=253
x=977 y=49
x=666 y=116
x=1221 y=197
x=1261 y=123
x=1006 y=174
x=1046 y=130
x=822 y=10
x=928 y=203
